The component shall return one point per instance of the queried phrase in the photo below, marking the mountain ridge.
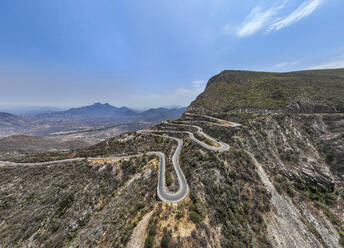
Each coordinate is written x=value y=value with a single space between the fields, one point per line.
x=10 y=120
x=100 y=121
x=111 y=113
x=309 y=91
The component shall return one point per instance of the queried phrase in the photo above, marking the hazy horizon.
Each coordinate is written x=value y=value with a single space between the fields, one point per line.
x=27 y=109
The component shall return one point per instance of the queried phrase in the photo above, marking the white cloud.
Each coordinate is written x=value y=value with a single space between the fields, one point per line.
x=256 y=20
x=301 y=12
x=190 y=91
x=287 y=64
x=199 y=85
x=183 y=95
x=329 y=65
x=270 y=19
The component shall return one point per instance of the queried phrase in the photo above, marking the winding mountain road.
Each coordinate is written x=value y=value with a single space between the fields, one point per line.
x=221 y=146
x=162 y=191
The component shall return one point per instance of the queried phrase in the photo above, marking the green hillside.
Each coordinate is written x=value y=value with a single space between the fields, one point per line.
x=311 y=91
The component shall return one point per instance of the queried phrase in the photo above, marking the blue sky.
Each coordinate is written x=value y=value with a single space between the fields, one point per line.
x=155 y=53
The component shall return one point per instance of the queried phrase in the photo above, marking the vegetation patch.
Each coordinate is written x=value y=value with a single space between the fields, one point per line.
x=303 y=91
x=234 y=197
x=315 y=193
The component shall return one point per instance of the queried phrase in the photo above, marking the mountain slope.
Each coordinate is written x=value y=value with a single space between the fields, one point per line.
x=98 y=110
x=293 y=129
x=96 y=113
x=12 y=124
x=294 y=92
x=161 y=114
x=9 y=120
x=280 y=183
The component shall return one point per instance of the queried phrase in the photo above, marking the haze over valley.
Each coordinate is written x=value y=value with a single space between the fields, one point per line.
x=73 y=128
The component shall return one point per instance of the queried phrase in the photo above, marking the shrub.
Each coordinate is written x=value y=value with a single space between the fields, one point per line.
x=341 y=239
x=151 y=236
x=282 y=185
x=166 y=239
x=195 y=217
x=289 y=155
x=64 y=204
x=329 y=158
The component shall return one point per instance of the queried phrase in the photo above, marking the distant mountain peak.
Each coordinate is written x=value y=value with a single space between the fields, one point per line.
x=99 y=104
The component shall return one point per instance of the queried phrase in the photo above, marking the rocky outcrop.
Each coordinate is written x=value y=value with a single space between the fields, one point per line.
x=298 y=158
x=303 y=107
x=285 y=228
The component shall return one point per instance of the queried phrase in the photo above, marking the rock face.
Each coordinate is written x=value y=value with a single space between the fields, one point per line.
x=306 y=107
x=299 y=160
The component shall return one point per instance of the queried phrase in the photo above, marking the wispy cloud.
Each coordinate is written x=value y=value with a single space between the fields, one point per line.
x=271 y=19
x=192 y=90
x=182 y=95
x=256 y=20
x=286 y=64
x=341 y=49
x=329 y=65
x=301 y=12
